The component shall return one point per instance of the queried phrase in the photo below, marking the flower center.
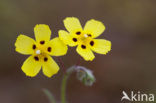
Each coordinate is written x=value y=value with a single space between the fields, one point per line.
x=38 y=52
x=85 y=35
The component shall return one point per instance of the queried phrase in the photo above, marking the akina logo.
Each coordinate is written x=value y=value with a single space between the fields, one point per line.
x=137 y=96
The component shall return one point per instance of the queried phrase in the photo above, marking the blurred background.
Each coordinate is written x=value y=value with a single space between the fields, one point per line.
x=130 y=66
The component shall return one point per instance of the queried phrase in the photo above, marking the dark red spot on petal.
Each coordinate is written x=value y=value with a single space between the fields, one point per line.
x=34 y=46
x=83 y=46
x=89 y=35
x=92 y=43
x=78 y=33
x=42 y=42
x=74 y=39
x=45 y=59
x=49 y=49
x=36 y=58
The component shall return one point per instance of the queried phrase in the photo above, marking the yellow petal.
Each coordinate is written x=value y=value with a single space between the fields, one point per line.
x=58 y=48
x=86 y=53
x=49 y=67
x=101 y=46
x=42 y=32
x=94 y=27
x=24 y=44
x=67 y=38
x=72 y=24
x=31 y=67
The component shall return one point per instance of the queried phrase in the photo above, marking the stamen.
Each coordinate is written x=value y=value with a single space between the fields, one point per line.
x=38 y=52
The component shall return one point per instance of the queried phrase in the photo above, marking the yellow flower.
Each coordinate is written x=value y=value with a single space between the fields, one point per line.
x=85 y=38
x=40 y=51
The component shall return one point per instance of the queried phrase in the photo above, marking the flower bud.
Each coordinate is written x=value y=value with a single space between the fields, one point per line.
x=85 y=75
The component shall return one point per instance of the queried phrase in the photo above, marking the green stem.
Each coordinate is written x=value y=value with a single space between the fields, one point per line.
x=64 y=83
x=49 y=95
x=63 y=88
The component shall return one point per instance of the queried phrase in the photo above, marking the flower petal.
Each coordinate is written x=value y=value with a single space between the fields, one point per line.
x=86 y=53
x=66 y=38
x=72 y=24
x=101 y=46
x=24 y=44
x=42 y=32
x=50 y=67
x=56 y=47
x=31 y=67
x=94 y=27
